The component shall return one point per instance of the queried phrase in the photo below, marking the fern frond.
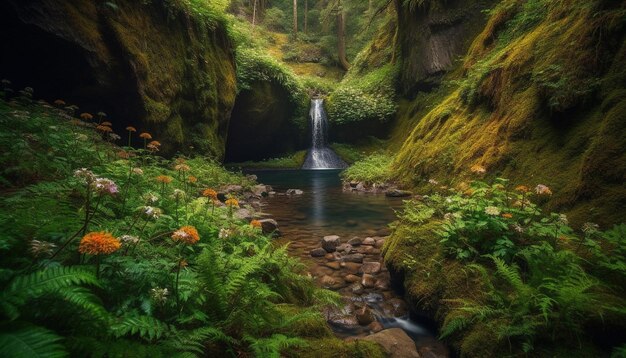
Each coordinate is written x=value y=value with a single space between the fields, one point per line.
x=30 y=341
x=146 y=327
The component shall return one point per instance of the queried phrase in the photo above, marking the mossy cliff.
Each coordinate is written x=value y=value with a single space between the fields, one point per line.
x=540 y=100
x=163 y=67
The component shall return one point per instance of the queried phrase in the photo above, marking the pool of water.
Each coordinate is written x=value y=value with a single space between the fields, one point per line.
x=324 y=208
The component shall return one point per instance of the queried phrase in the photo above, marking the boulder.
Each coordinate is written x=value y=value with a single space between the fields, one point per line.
x=357 y=289
x=346 y=248
x=329 y=281
x=368 y=281
x=358 y=258
x=261 y=190
x=395 y=342
x=294 y=192
x=269 y=226
x=368 y=241
x=370 y=267
x=352 y=278
x=375 y=327
x=330 y=243
x=333 y=265
x=397 y=193
x=397 y=307
x=365 y=316
x=243 y=214
x=382 y=284
x=319 y=252
x=351 y=267
x=355 y=241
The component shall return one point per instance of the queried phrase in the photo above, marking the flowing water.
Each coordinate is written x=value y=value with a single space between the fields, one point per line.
x=325 y=209
x=320 y=156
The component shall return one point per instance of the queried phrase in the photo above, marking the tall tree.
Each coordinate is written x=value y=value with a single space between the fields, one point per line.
x=254 y=12
x=306 y=12
x=295 y=18
x=341 y=36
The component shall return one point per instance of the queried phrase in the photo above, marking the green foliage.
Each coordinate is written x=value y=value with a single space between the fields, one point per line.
x=373 y=169
x=370 y=97
x=293 y=161
x=153 y=297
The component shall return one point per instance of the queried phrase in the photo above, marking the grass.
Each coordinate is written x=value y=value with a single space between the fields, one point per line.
x=374 y=169
x=293 y=161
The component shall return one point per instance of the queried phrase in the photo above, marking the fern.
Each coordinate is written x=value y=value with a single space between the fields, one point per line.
x=272 y=346
x=146 y=327
x=28 y=341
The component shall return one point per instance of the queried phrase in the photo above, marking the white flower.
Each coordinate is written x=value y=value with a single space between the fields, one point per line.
x=563 y=219
x=159 y=294
x=543 y=190
x=518 y=228
x=590 y=228
x=178 y=194
x=492 y=210
x=433 y=181
x=224 y=233
x=104 y=186
x=129 y=239
x=151 y=198
x=87 y=175
x=137 y=171
x=151 y=212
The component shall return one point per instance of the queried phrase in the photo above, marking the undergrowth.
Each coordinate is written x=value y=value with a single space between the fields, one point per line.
x=114 y=251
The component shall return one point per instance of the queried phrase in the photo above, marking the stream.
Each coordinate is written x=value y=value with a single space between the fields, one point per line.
x=325 y=209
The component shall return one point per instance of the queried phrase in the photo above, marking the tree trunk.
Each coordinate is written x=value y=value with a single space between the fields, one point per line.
x=295 y=18
x=254 y=12
x=341 y=37
x=306 y=11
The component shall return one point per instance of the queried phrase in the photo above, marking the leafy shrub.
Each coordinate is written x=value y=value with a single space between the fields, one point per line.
x=371 y=97
x=274 y=19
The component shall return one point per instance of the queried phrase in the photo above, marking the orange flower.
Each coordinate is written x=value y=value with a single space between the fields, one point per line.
x=478 y=169
x=232 y=202
x=507 y=215
x=256 y=223
x=182 y=167
x=86 y=116
x=522 y=188
x=106 y=124
x=210 y=193
x=99 y=243
x=155 y=143
x=59 y=102
x=123 y=154
x=164 y=179
x=187 y=235
x=103 y=128
x=192 y=179
x=131 y=129
x=145 y=135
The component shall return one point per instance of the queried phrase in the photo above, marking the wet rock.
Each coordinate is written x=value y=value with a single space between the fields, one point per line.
x=345 y=248
x=294 y=192
x=319 y=252
x=333 y=265
x=358 y=258
x=355 y=241
x=332 y=256
x=367 y=250
x=365 y=316
x=351 y=267
x=261 y=190
x=243 y=214
x=395 y=342
x=398 y=307
x=368 y=241
x=251 y=177
x=357 y=288
x=330 y=243
x=353 y=184
x=352 y=278
x=269 y=226
x=379 y=243
x=343 y=321
x=319 y=271
x=232 y=188
x=382 y=284
x=329 y=281
x=368 y=281
x=397 y=193
x=373 y=297
x=370 y=267
x=375 y=327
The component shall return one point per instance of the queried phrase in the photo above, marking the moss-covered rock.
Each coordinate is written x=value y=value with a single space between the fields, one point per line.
x=163 y=67
x=538 y=103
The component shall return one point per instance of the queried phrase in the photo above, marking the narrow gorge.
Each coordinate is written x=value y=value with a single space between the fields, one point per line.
x=313 y=178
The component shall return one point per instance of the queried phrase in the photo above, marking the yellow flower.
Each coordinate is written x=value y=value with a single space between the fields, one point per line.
x=210 y=193
x=98 y=243
x=522 y=188
x=478 y=169
x=164 y=179
x=232 y=202
x=507 y=215
x=187 y=235
x=192 y=179
x=86 y=116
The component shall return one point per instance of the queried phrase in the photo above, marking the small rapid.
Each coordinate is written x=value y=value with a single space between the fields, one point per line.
x=320 y=156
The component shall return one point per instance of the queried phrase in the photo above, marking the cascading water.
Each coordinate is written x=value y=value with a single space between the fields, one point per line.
x=320 y=156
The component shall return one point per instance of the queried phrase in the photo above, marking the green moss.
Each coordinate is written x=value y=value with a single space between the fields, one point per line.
x=337 y=348
x=293 y=161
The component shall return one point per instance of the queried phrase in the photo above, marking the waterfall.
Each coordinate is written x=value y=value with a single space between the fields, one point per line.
x=320 y=156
